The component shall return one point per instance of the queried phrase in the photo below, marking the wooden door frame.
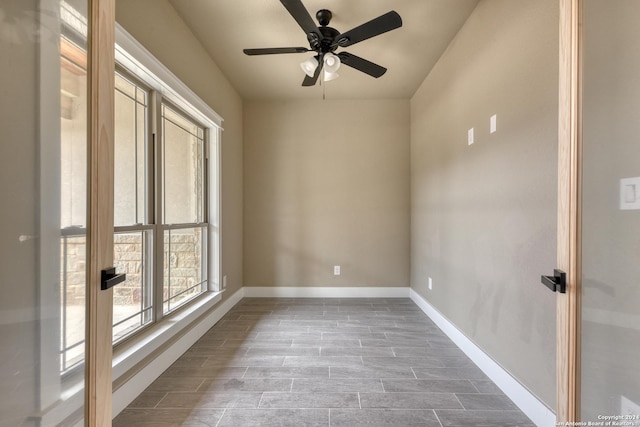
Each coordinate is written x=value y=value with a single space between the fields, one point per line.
x=98 y=349
x=569 y=211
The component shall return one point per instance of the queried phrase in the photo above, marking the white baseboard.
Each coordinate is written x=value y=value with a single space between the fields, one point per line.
x=126 y=393
x=528 y=403
x=325 y=292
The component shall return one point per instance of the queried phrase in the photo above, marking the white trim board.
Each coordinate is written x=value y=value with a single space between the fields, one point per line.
x=132 y=55
x=528 y=403
x=128 y=391
x=325 y=292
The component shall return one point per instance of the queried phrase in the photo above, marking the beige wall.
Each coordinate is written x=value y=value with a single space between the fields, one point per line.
x=326 y=183
x=157 y=26
x=611 y=237
x=484 y=216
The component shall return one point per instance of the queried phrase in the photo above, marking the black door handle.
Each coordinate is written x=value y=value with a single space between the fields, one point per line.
x=109 y=278
x=557 y=282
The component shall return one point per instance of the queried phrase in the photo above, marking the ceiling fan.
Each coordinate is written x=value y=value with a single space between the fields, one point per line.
x=324 y=41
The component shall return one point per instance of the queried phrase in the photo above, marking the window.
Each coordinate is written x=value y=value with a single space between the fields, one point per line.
x=73 y=200
x=184 y=224
x=161 y=228
x=165 y=207
x=133 y=190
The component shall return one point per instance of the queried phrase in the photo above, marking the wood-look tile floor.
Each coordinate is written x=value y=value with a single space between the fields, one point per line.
x=323 y=362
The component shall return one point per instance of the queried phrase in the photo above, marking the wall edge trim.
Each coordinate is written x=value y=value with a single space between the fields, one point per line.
x=528 y=403
x=325 y=292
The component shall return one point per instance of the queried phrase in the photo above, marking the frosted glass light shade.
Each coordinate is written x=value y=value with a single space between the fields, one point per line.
x=330 y=76
x=331 y=63
x=309 y=66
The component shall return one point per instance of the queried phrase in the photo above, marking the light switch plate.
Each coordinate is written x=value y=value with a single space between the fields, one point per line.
x=493 y=123
x=470 y=136
x=630 y=194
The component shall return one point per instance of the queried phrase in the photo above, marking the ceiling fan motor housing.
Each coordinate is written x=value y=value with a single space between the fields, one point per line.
x=326 y=43
x=324 y=17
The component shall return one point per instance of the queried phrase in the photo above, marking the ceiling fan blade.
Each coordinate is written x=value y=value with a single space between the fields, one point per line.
x=275 y=50
x=311 y=81
x=362 y=64
x=302 y=17
x=387 y=22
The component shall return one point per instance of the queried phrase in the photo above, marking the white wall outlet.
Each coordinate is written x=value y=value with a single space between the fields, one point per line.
x=470 y=139
x=430 y=283
x=336 y=270
x=493 y=123
x=630 y=194
x=224 y=282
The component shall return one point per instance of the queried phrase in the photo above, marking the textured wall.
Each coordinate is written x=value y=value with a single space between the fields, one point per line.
x=484 y=216
x=326 y=183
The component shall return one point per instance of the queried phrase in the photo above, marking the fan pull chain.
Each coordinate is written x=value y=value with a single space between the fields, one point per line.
x=322 y=83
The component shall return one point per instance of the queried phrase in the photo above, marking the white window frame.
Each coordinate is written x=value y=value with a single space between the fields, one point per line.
x=128 y=354
x=142 y=65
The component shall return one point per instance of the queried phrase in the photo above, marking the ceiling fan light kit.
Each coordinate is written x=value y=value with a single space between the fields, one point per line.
x=327 y=77
x=331 y=63
x=309 y=66
x=324 y=41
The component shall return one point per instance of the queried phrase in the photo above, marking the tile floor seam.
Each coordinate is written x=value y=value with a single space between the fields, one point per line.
x=437 y=417
x=474 y=386
x=459 y=401
x=160 y=401
x=224 y=411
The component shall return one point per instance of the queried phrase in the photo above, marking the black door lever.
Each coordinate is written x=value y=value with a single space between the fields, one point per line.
x=109 y=278
x=557 y=282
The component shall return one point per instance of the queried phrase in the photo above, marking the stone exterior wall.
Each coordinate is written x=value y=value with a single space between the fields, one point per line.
x=182 y=265
x=73 y=269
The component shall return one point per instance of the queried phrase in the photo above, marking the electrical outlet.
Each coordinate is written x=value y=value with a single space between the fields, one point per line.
x=224 y=282
x=336 y=270
x=430 y=284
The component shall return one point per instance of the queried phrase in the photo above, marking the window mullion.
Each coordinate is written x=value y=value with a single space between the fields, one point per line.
x=158 y=158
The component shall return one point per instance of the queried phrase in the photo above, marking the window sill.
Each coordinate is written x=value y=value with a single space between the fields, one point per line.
x=131 y=352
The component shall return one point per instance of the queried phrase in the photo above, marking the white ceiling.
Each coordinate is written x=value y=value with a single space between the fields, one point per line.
x=225 y=27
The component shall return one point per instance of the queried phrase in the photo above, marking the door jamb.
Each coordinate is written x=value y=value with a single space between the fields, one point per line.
x=98 y=350
x=569 y=211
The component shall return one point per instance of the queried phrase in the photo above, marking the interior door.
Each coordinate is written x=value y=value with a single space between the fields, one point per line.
x=599 y=215
x=53 y=118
